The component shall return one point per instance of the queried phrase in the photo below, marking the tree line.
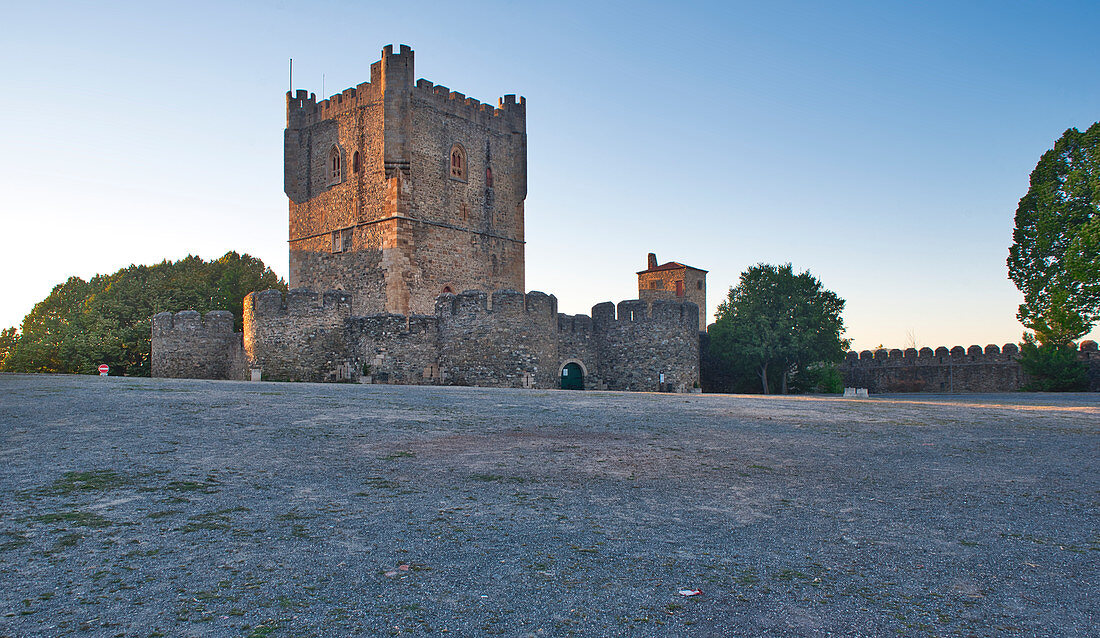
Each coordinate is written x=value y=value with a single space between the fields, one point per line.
x=83 y=324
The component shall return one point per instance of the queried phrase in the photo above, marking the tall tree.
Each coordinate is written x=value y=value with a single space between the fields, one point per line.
x=776 y=323
x=1055 y=256
x=82 y=324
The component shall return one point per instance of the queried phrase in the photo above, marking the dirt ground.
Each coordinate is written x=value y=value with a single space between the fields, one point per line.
x=154 y=507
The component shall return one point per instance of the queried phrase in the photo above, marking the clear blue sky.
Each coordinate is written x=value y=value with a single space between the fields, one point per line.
x=881 y=145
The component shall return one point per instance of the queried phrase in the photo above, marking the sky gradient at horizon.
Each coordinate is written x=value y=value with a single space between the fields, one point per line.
x=882 y=146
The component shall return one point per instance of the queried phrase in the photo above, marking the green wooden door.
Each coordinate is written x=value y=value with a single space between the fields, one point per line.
x=572 y=377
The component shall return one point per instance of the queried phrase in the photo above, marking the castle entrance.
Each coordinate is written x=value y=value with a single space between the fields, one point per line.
x=572 y=377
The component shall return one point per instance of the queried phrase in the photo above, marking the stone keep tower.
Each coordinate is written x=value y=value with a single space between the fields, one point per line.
x=400 y=192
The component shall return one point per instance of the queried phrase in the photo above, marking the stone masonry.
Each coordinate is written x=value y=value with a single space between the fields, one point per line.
x=507 y=339
x=401 y=191
x=674 y=281
x=187 y=345
x=959 y=369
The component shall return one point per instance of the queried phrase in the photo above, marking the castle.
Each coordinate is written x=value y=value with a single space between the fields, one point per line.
x=406 y=205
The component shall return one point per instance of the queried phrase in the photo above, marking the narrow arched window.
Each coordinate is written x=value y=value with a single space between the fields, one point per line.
x=334 y=164
x=355 y=162
x=458 y=162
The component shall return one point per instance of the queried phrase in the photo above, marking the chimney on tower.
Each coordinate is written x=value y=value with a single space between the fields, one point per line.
x=652 y=261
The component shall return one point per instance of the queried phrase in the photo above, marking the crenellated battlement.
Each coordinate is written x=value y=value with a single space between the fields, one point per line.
x=303 y=109
x=297 y=302
x=503 y=303
x=672 y=313
x=393 y=73
x=215 y=322
x=509 y=116
x=957 y=355
x=578 y=324
x=958 y=369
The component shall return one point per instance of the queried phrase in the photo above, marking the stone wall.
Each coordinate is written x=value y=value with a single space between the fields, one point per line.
x=301 y=338
x=509 y=343
x=973 y=369
x=642 y=342
x=578 y=343
x=507 y=339
x=396 y=349
x=186 y=345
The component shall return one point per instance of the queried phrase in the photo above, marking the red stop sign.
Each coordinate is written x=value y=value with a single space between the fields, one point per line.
x=103 y=368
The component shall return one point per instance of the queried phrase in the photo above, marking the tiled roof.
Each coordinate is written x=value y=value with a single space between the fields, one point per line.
x=672 y=265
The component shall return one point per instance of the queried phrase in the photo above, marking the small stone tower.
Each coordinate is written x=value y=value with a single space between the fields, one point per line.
x=674 y=281
x=401 y=191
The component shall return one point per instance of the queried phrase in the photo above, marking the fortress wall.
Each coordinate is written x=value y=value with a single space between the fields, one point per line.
x=506 y=339
x=508 y=343
x=973 y=369
x=577 y=340
x=637 y=342
x=300 y=338
x=186 y=345
x=396 y=349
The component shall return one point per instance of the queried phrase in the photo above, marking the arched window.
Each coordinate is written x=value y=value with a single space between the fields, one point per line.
x=355 y=162
x=334 y=164
x=458 y=162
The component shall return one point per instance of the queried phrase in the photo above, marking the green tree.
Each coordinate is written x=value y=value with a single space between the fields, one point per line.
x=777 y=325
x=82 y=324
x=1055 y=256
x=1052 y=367
x=8 y=337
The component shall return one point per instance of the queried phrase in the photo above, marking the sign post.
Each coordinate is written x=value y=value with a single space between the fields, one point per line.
x=103 y=369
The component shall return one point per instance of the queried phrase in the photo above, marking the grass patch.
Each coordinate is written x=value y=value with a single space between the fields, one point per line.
x=95 y=480
x=209 y=486
x=486 y=478
x=788 y=575
x=215 y=520
x=67 y=541
x=398 y=455
x=161 y=514
x=79 y=519
x=15 y=541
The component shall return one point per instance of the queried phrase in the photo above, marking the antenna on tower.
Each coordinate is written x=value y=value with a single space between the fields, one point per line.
x=292 y=76
x=322 y=86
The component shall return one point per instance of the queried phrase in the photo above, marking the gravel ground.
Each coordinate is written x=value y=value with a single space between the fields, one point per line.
x=155 y=507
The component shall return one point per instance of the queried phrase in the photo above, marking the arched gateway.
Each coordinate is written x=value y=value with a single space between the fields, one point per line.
x=572 y=376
